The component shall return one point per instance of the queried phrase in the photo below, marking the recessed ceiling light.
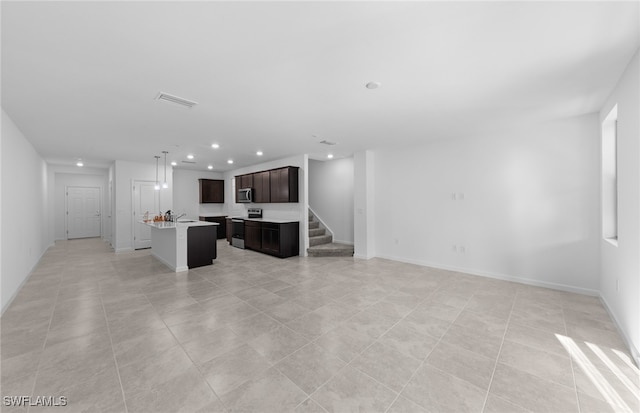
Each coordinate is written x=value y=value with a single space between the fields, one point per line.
x=79 y=163
x=373 y=85
x=189 y=156
x=210 y=167
x=215 y=145
x=259 y=153
x=230 y=161
x=330 y=156
x=174 y=163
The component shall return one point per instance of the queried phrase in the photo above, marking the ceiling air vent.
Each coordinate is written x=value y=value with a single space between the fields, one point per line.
x=326 y=142
x=165 y=97
x=188 y=161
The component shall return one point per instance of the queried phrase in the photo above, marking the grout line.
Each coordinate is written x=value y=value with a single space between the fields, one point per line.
x=113 y=351
x=179 y=343
x=573 y=372
x=424 y=360
x=495 y=366
x=375 y=340
x=44 y=344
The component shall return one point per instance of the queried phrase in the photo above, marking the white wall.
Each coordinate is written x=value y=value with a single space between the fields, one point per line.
x=111 y=177
x=125 y=174
x=295 y=211
x=24 y=236
x=186 y=193
x=331 y=195
x=364 y=224
x=621 y=263
x=524 y=205
x=60 y=177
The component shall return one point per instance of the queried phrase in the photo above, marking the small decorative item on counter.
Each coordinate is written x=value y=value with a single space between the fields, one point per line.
x=145 y=217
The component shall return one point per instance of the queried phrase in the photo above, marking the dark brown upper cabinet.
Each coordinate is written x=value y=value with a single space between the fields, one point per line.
x=261 y=187
x=284 y=184
x=275 y=185
x=211 y=191
x=244 y=181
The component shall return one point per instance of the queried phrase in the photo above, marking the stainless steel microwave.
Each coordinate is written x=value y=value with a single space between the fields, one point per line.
x=245 y=195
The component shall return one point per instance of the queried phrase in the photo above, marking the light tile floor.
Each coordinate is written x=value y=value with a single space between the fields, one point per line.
x=120 y=332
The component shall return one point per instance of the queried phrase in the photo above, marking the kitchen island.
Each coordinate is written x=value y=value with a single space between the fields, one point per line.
x=185 y=244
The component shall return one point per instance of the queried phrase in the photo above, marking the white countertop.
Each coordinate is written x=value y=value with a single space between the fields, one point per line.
x=179 y=224
x=271 y=220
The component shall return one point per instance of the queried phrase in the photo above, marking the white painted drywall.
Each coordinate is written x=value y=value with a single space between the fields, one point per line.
x=521 y=205
x=621 y=263
x=24 y=209
x=61 y=178
x=186 y=193
x=331 y=195
x=112 y=204
x=364 y=213
x=296 y=211
x=125 y=173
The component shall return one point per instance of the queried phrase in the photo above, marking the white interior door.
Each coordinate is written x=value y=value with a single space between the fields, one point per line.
x=145 y=199
x=83 y=212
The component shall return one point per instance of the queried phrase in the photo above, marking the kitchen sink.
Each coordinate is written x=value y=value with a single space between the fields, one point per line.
x=182 y=221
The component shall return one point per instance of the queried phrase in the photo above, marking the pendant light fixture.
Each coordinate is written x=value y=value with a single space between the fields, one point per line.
x=157 y=186
x=165 y=185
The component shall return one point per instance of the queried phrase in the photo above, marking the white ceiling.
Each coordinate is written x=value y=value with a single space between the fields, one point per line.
x=80 y=78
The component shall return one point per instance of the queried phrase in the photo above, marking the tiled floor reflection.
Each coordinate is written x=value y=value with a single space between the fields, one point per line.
x=252 y=333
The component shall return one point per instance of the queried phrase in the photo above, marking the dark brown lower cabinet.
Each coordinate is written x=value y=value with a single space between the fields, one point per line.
x=228 y=222
x=222 y=227
x=201 y=246
x=253 y=235
x=277 y=239
x=271 y=238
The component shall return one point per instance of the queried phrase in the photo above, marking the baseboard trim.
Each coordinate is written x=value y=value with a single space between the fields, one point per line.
x=343 y=242
x=17 y=291
x=162 y=260
x=504 y=277
x=634 y=351
x=121 y=250
x=363 y=257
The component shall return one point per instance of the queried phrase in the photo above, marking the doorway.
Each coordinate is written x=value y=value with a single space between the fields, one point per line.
x=145 y=199
x=83 y=212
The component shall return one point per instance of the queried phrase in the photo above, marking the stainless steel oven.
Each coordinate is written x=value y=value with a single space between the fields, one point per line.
x=237 y=232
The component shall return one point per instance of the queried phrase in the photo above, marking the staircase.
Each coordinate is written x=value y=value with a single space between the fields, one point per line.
x=321 y=244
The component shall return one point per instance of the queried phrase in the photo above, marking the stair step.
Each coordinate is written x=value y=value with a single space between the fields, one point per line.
x=322 y=239
x=314 y=224
x=333 y=249
x=316 y=232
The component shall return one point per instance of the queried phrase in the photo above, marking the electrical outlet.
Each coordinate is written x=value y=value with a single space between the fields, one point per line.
x=453 y=196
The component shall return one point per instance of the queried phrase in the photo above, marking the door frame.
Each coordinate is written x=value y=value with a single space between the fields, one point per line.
x=66 y=208
x=133 y=207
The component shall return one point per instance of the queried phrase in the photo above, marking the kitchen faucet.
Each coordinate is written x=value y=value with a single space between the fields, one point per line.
x=180 y=216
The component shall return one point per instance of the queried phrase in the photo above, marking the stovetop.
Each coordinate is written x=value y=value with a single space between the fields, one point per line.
x=254 y=212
